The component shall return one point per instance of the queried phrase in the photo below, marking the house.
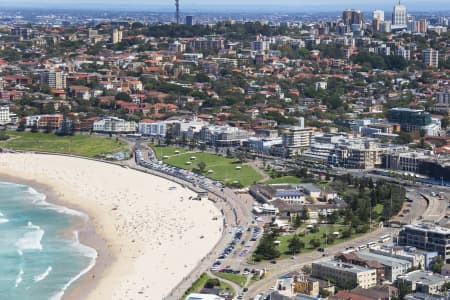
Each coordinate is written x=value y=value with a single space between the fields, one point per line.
x=79 y=92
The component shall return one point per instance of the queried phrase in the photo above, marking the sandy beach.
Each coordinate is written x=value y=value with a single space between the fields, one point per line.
x=148 y=236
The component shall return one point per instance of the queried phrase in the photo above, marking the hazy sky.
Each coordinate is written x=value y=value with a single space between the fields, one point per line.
x=324 y=5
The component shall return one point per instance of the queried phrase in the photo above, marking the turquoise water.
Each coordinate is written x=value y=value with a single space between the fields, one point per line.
x=40 y=256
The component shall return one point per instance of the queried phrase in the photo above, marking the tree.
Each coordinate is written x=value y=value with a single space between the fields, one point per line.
x=212 y=282
x=34 y=128
x=22 y=126
x=437 y=264
x=403 y=290
x=297 y=222
x=201 y=166
x=305 y=215
x=295 y=244
x=266 y=249
x=315 y=243
x=202 y=147
x=123 y=96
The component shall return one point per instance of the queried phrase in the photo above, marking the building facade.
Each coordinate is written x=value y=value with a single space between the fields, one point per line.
x=344 y=274
x=114 y=125
x=427 y=237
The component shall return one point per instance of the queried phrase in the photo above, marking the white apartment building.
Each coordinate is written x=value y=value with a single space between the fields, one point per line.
x=399 y=15
x=5 y=116
x=153 y=128
x=296 y=138
x=114 y=125
x=344 y=273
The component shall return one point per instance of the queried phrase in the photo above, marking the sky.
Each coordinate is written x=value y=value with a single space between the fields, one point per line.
x=318 y=5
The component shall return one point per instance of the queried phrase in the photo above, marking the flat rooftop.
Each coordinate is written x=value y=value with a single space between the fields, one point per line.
x=342 y=266
x=428 y=228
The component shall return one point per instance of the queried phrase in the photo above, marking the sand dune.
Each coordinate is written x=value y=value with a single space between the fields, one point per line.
x=155 y=236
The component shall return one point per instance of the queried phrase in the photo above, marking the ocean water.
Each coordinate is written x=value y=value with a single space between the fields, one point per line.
x=40 y=255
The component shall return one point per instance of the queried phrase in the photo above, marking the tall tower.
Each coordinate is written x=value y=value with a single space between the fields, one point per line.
x=177 y=11
x=399 y=15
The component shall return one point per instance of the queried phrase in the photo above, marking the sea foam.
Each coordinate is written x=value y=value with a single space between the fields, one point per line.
x=3 y=220
x=19 y=278
x=42 y=276
x=31 y=240
x=40 y=199
x=88 y=252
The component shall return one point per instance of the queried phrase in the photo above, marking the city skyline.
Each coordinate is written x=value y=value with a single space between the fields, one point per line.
x=230 y=5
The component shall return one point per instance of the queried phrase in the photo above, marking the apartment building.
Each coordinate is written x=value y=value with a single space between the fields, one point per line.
x=425 y=282
x=4 y=115
x=345 y=274
x=296 y=138
x=393 y=267
x=430 y=58
x=358 y=155
x=115 y=125
x=54 y=79
x=427 y=237
x=153 y=128
x=223 y=136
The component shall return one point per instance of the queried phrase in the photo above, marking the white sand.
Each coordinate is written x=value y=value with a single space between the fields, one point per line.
x=153 y=233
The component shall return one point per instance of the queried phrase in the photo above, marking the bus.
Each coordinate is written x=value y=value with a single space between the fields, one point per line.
x=371 y=244
x=385 y=238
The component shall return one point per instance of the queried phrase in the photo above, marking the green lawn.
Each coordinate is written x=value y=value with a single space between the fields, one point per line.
x=224 y=169
x=284 y=179
x=83 y=145
x=284 y=240
x=240 y=280
x=200 y=283
x=161 y=150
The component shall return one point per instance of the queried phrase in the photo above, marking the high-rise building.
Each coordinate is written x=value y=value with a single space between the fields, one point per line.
x=377 y=18
x=386 y=26
x=430 y=58
x=116 y=36
x=352 y=16
x=399 y=15
x=378 y=15
x=54 y=79
x=189 y=20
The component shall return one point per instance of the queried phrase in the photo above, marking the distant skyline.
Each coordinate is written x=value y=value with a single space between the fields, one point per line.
x=248 y=5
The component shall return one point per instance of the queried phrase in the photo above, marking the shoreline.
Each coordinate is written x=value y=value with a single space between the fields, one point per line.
x=86 y=236
x=132 y=262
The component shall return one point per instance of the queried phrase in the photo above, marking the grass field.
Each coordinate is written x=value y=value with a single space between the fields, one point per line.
x=284 y=179
x=162 y=151
x=329 y=229
x=224 y=169
x=200 y=283
x=240 y=280
x=83 y=145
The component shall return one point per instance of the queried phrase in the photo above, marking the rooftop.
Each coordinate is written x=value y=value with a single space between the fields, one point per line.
x=423 y=277
x=428 y=228
x=343 y=266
